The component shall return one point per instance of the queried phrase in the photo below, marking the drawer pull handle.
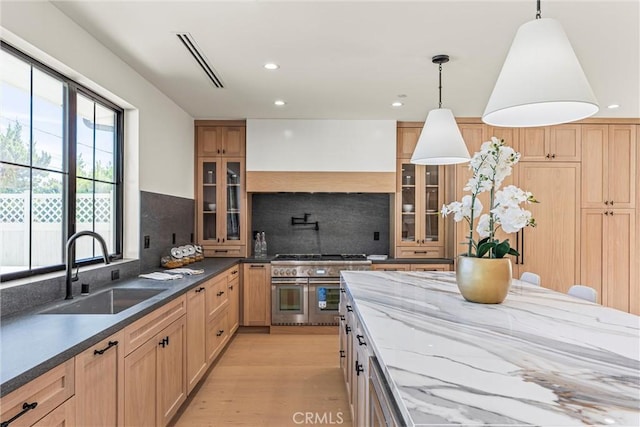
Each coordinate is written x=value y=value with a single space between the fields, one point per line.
x=347 y=329
x=111 y=344
x=257 y=266
x=349 y=308
x=359 y=368
x=220 y=332
x=221 y=250
x=361 y=340
x=164 y=342
x=220 y=293
x=342 y=354
x=26 y=407
x=200 y=289
x=420 y=252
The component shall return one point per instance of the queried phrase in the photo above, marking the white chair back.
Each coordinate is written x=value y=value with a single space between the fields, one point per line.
x=584 y=292
x=531 y=278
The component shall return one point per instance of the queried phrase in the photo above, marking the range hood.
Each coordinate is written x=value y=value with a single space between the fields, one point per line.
x=321 y=155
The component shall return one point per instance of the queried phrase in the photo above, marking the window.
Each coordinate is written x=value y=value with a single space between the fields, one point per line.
x=60 y=168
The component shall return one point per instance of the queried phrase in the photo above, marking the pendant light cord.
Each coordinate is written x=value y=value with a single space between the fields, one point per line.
x=440 y=86
x=538 y=13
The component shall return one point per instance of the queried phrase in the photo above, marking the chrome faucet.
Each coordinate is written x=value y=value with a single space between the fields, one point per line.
x=70 y=260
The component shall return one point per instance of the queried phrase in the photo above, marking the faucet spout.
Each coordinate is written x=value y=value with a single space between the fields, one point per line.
x=70 y=259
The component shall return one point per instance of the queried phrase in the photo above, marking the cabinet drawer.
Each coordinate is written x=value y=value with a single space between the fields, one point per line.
x=146 y=328
x=233 y=273
x=430 y=267
x=223 y=251
x=423 y=252
x=217 y=335
x=217 y=295
x=49 y=391
x=63 y=416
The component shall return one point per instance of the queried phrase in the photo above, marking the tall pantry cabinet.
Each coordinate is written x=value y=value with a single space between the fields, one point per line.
x=609 y=214
x=221 y=202
x=549 y=167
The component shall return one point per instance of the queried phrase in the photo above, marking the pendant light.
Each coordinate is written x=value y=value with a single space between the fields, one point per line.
x=541 y=82
x=440 y=141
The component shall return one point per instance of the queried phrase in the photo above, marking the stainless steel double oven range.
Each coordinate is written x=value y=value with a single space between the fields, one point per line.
x=305 y=289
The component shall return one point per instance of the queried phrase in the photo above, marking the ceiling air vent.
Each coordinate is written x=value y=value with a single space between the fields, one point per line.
x=191 y=45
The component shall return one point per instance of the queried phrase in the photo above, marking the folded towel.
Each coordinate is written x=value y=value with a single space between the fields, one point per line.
x=161 y=276
x=187 y=271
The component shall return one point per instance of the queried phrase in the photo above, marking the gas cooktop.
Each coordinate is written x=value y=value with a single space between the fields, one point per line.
x=320 y=257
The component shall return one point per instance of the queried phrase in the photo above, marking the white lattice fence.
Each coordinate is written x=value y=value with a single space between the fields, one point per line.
x=46 y=227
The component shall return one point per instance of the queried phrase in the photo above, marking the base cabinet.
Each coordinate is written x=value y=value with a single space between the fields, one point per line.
x=196 y=336
x=155 y=371
x=99 y=373
x=233 y=289
x=63 y=416
x=256 y=290
x=44 y=395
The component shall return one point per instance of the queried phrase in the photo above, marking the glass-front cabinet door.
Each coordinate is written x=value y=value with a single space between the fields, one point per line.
x=221 y=202
x=420 y=197
x=233 y=176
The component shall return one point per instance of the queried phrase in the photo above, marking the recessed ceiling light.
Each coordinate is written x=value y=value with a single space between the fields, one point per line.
x=279 y=102
x=613 y=106
x=271 y=66
x=397 y=104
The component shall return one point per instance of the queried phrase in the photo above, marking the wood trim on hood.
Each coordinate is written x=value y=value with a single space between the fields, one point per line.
x=321 y=182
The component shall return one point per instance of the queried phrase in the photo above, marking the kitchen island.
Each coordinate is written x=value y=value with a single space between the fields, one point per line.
x=539 y=358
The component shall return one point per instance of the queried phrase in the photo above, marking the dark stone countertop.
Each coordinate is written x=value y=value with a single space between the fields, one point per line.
x=32 y=344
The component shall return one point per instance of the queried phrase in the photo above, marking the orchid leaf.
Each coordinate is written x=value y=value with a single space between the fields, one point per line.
x=502 y=249
x=484 y=248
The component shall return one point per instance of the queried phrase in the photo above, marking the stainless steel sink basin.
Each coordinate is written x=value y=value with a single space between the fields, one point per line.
x=109 y=302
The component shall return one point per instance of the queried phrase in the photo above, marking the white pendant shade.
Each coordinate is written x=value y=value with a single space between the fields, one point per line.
x=440 y=141
x=541 y=82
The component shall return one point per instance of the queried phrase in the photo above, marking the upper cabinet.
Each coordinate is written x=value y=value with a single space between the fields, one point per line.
x=420 y=194
x=221 y=207
x=551 y=143
x=609 y=166
x=226 y=141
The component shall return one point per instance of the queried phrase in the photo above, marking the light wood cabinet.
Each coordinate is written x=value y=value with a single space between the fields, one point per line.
x=560 y=143
x=99 y=377
x=63 y=416
x=233 y=287
x=217 y=296
x=226 y=141
x=552 y=248
x=196 y=336
x=407 y=138
x=217 y=335
x=42 y=396
x=609 y=258
x=155 y=370
x=221 y=202
x=256 y=292
x=419 y=231
x=609 y=166
x=221 y=206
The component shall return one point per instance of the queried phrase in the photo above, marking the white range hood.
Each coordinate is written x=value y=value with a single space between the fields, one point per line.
x=321 y=155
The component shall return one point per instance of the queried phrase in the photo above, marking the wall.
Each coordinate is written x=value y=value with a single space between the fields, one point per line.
x=347 y=222
x=161 y=217
x=165 y=131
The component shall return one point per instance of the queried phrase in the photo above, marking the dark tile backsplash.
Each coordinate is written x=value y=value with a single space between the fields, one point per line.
x=347 y=222
x=160 y=217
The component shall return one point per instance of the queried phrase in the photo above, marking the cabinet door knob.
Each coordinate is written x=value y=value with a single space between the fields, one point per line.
x=548 y=155
x=606 y=202
x=553 y=156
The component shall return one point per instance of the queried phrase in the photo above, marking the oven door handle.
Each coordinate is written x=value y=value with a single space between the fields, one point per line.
x=324 y=281
x=289 y=282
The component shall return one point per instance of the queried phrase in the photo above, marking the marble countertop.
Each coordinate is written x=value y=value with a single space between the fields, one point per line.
x=539 y=358
x=32 y=343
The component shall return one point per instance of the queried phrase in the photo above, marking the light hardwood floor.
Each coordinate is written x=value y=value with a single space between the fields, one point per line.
x=272 y=380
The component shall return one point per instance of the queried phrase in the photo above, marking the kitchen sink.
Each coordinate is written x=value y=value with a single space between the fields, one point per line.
x=108 y=302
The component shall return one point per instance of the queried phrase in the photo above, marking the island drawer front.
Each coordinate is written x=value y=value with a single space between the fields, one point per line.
x=49 y=391
x=424 y=252
x=146 y=328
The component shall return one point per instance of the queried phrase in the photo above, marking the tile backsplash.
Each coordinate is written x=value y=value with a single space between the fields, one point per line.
x=162 y=216
x=347 y=222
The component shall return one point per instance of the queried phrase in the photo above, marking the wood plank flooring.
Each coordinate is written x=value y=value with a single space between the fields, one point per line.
x=272 y=380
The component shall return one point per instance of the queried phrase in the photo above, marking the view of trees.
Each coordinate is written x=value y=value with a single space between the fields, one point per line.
x=16 y=179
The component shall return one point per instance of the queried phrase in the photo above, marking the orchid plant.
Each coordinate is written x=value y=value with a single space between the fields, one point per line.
x=490 y=166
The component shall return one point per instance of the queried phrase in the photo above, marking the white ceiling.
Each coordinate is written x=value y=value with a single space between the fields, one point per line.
x=351 y=60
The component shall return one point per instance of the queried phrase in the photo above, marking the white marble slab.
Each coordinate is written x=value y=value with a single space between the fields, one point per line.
x=539 y=358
